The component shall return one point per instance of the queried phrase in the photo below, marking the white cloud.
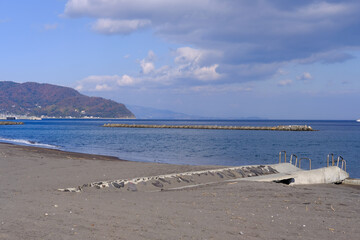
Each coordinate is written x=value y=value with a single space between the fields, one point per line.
x=285 y=82
x=125 y=80
x=190 y=63
x=187 y=66
x=110 y=26
x=103 y=87
x=147 y=64
x=105 y=82
x=305 y=76
x=147 y=67
x=207 y=73
x=188 y=55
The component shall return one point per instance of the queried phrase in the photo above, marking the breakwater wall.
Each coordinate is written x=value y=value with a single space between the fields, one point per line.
x=276 y=128
x=10 y=123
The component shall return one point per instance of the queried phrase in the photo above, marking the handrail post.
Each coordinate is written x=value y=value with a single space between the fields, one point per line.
x=284 y=156
x=332 y=159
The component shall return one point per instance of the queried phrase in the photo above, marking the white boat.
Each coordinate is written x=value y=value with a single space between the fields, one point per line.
x=358 y=120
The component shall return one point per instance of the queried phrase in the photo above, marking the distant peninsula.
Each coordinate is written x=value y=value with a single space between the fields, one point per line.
x=51 y=101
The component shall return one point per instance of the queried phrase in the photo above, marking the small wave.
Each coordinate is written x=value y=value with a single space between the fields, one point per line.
x=27 y=142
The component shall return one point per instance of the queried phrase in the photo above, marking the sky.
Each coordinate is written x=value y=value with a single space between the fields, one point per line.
x=275 y=59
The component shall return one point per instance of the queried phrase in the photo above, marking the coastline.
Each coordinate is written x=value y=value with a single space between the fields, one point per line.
x=32 y=208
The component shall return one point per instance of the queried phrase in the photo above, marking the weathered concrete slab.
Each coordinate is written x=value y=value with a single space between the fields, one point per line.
x=294 y=176
x=283 y=172
x=179 y=180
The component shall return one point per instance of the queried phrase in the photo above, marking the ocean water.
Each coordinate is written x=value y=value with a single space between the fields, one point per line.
x=195 y=146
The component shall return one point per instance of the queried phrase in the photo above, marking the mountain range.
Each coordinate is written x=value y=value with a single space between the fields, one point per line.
x=47 y=100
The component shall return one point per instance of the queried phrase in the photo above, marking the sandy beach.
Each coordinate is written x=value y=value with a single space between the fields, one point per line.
x=31 y=207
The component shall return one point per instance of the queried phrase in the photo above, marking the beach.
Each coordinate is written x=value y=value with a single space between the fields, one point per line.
x=31 y=206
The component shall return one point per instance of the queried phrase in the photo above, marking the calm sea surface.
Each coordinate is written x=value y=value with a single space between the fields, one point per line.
x=192 y=146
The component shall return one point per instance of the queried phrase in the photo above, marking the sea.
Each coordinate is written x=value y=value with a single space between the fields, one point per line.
x=195 y=146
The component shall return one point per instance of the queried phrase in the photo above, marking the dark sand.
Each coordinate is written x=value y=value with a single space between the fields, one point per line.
x=32 y=208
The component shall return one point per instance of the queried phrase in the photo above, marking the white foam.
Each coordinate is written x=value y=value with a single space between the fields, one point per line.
x=26 y=142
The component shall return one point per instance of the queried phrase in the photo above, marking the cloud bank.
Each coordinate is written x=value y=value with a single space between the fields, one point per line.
x=231 y=41
x=189 y=64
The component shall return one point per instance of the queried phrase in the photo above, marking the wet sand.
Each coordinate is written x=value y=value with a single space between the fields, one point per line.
x=32 y=208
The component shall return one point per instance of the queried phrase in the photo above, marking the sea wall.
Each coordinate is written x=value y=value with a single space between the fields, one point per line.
x=276 y=128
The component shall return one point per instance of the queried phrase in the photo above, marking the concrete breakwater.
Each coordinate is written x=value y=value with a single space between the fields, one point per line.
x=10 y=123
x=276 y=128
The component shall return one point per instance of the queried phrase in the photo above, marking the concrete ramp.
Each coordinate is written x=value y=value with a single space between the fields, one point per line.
x=282 y=173
x=179 y=180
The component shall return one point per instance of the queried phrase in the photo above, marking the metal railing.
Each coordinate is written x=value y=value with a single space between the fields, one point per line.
x=330 y=160
x=305 y=158
x=343 y=163
x=339 y=159
x=296 y=159
x=280 y=153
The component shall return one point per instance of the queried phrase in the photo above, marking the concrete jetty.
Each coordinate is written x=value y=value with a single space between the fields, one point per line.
x=275 y=128
x=10 y=123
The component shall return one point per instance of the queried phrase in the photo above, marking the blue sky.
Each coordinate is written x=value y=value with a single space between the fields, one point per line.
x=274 y=59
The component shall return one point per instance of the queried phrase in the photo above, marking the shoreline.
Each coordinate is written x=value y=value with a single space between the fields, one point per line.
x=32 y=208
x=53 y=151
